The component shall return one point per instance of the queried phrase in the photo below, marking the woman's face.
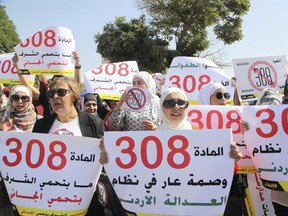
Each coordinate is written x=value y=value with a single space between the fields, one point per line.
x=139 y=83
x=176 y=112
x=90 y=107
x=20 y=101
x=219 y=97
x=61 y=98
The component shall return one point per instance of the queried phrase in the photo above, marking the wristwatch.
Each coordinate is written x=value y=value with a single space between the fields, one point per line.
x=78 y=66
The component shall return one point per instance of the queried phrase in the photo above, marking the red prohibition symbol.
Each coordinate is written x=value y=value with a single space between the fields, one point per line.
x=138 y=99
x=262 y=74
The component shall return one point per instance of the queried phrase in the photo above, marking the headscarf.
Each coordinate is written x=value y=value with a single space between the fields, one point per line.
x=166 y=124
x=151 y=85
x=148 y=79
x=87 y=97
x=23 y=120
x=269 y=96
x=206 y=92
x=3 y=105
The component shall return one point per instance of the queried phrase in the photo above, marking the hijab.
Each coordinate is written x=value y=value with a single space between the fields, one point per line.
x=24 y=120
x=148 y=79
x=166 y=124
x=206 y=92
x=3 y=105
x=151 y=86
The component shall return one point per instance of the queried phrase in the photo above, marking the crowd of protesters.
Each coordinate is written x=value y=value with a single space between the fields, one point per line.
x=59 y=107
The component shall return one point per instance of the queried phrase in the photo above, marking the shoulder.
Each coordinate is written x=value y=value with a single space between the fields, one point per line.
x=43 y=125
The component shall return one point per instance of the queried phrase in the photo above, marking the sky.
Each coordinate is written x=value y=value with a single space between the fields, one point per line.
x=264 y=28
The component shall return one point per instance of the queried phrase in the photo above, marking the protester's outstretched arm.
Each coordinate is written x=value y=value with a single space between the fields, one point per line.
x=77 y=72
x=23 y=79
x=43 y=79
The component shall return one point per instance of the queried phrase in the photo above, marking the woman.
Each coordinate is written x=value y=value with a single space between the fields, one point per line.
x=89 y=104
x=174 y=110
x=174 y=103
x=64 y=96
x=20 y=113
x=215 y=94
x=129 y=120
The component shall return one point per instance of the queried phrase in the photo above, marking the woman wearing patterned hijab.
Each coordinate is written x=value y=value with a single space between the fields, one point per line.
x=20 y=114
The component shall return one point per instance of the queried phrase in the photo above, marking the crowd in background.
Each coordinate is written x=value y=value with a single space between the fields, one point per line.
x=59 y=107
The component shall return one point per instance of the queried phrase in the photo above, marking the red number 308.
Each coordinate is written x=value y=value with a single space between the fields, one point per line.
x=153 y=140
x=38 y=161
x=270 y=122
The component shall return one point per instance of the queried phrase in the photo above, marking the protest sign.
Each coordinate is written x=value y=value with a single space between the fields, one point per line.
x=266 y=141
x=191 y=74
x=171 y=172
x=8 y=72
x=49 y=174
x=255 y=74
x=110 y=80
x=223 y=117
x=48 y=51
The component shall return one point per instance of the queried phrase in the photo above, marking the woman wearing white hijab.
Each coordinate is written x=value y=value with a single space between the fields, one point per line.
x=213 y=94
x=174 y=104
x=130 y=120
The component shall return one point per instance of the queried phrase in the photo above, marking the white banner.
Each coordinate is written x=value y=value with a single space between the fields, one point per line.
x=48 y=51
x=267 y=143
x=171 y=172
x=49 y=174
x=8 y=73
x=110 y=80
x=191 y=74
x=221 y=117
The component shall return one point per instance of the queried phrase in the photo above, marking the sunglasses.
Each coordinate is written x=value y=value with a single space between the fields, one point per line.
x=60 y=92
x=24 y=98
x=170 y=104
x=219 y=95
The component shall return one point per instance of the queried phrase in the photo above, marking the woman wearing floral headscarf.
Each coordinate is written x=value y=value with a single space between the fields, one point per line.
x=20 y=114
x=130 y=120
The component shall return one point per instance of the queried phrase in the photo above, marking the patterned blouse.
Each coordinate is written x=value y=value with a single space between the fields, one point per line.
x=129 y=120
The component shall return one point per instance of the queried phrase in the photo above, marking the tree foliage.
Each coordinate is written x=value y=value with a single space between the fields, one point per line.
x=8 y=35
x=133 y=41
x=187 y=21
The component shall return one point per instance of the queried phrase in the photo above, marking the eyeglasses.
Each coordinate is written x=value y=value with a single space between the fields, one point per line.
x=24 y=98
x=170 y=104
x=60 y=92
x=219 y=95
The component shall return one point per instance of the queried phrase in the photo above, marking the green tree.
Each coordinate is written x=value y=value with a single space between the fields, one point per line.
x=133 y=41
x=8 y=35
x=187 y=22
